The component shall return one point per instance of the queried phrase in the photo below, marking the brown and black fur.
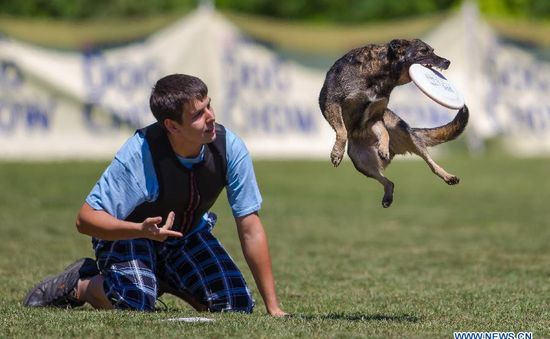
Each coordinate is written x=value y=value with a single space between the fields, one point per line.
x=354 y=101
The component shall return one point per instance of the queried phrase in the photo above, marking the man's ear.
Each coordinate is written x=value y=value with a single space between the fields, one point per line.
x=170 y=125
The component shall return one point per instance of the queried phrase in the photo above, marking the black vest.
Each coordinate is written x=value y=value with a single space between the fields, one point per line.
x=188 y=192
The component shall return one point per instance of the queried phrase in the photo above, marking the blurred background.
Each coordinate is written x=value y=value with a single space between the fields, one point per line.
x=75 y=79
x=75 y=76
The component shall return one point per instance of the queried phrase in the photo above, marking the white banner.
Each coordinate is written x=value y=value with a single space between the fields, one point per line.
x=60 y=104
x=57 y=104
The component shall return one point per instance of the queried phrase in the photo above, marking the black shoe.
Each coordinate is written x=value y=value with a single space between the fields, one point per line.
x=60 y=290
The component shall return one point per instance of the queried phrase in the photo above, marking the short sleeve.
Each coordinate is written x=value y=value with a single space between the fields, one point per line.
x=243 y=193
x=127 y=182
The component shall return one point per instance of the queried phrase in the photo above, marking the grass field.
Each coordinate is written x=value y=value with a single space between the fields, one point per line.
x=474 y=257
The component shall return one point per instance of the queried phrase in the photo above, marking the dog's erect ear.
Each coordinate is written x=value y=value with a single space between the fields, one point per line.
x=398 y=47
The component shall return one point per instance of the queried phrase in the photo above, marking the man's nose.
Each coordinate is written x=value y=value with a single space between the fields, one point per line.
x=210 y=114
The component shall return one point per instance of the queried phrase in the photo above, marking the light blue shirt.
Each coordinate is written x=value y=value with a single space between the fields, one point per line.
x=130 y=179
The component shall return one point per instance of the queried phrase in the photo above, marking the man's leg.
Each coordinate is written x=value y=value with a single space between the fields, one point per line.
x=91 y=291
x=127 y=279
x=199 y=266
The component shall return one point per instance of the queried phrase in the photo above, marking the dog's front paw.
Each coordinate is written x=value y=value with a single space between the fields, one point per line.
x=452 y=180
x=336 y=158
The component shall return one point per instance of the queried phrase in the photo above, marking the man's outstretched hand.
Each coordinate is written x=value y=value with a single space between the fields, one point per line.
x=278 y=313
x=152 y=231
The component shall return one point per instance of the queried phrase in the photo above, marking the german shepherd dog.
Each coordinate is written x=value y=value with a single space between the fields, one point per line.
x=354 y=101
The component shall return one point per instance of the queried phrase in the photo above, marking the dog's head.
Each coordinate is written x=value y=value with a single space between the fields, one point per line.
x=403 y=53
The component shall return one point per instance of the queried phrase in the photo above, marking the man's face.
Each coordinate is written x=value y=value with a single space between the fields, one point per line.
x=197 y=126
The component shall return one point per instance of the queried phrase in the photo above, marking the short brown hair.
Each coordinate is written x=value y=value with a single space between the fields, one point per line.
x=171 y=92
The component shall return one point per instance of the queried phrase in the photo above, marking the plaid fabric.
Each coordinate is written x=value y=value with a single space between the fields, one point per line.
x=197 y=264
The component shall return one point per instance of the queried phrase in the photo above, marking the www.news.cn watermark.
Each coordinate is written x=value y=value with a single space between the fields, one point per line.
x=493 y=335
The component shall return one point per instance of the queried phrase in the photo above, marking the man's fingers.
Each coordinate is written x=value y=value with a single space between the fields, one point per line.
x=169 y=233
x=169 y=221
x=153 y=220
x=161 y=233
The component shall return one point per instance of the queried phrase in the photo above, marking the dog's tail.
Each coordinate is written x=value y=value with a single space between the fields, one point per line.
x=438 y=135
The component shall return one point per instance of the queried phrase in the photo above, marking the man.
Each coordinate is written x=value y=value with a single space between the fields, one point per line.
x=171 y=171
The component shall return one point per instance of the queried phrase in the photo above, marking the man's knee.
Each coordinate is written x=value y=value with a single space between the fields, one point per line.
x=131 y=297
x=128 y=269
x=131 y=286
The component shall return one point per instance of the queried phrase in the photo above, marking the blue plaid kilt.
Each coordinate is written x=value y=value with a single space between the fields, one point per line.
x=196 y=264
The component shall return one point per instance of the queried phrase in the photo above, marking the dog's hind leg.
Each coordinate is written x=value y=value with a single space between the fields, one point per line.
x=387 y=199
x=333 y=114
x=422 y=152
x=367 y=161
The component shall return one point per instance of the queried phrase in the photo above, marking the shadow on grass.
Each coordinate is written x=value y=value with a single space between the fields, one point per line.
x=356 y=316
x=360 y=317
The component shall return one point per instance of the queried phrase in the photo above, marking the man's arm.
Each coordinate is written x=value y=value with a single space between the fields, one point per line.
x=102 y=225
x=256 y=252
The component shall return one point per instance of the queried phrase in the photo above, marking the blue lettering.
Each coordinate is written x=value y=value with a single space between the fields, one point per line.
x=127 y=78
x=252 y=75
x=32 y=115
x=97 y=76
x=278 y=119
x=38 y=116
x=515 y=76
x=10 y=74
x=106 y=81
x=265 y=77
x=525 y=335
x=121 y=76
x=303 y=118
x=535 y=119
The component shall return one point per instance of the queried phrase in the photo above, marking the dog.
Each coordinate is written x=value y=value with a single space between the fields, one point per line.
x=354 y=100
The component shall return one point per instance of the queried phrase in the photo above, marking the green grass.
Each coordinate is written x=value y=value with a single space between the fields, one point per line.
x=473 y=257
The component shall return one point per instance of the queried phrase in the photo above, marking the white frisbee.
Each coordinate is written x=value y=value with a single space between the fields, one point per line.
x=191 y=319
x=436 y=86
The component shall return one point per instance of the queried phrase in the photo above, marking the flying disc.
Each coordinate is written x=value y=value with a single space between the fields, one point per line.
x=191 y=319
x=436 y=86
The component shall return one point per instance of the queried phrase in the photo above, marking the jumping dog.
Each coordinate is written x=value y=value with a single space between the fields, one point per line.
x=354 y=100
